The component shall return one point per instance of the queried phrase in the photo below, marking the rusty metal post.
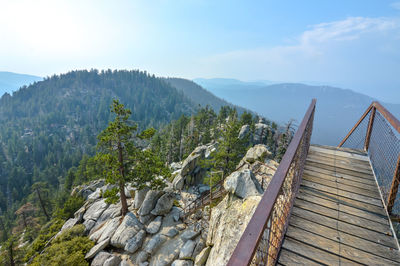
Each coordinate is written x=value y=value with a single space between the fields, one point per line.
x=394 y=187
x=369 y=130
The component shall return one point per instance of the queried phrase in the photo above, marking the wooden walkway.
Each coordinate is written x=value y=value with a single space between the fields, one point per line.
x=338 y=217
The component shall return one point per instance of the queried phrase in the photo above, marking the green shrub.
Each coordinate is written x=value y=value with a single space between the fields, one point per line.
x=45 y=234
x=67 y=249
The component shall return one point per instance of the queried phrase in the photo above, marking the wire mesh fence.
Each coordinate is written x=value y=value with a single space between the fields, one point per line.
x=268 y=248
x=384 y=150
x=357 y=139
x=261 y=242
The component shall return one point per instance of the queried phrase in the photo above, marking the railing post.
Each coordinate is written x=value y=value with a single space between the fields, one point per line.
x=394 y=187
x=369 y=129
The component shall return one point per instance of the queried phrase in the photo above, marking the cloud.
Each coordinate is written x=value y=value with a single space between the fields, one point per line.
x=313 y=45
x=396 y=5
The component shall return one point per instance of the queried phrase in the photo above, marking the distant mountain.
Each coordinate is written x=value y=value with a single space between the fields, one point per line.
x=199 y=95
x=337 y=109
x=10 y=82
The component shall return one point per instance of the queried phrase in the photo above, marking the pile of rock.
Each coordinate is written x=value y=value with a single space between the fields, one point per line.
x=260 y=133
x=151 y=233
x=190 y=172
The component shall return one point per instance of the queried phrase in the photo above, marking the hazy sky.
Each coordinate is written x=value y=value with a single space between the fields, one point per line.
x=354 y=44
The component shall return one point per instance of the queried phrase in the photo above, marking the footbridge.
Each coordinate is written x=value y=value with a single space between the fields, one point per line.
x=331 y=205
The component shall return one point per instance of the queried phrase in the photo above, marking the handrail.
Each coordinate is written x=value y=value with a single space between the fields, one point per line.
x=385 y=152
x=248 y=243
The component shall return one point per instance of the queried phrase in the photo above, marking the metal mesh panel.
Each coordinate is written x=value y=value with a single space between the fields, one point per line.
x=383 y=151
x=357 y=139
x=268 y=248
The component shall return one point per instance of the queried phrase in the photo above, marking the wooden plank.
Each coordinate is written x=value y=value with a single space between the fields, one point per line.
x=316 y=254
x=342 y=168
x=345 y=163
x=341 y=152
x=335 y=247
x=341 y=180
x=377 y=237
x=373 y=201
x=342 y=149
x=344 y=217
x=366 y=179
x=345 y=201
x=343 y=208
x=287 y=257
x=337 y=156
x=346 y=239
x=336 y=185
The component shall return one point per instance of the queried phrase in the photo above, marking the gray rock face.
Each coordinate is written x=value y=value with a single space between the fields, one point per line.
x=201 y=244
x=139 y=197
x=144 y=219
x=228 y=222
x=79 y=213
x=178 y=182
x=97 y=248
x=244 y=131
x=169 y=231
x=149 y=202
x=89 y=224
x=129 y=227
x=154 y=243
x=142 y=257
x=189 y=234
x=243 y=184
x=106 y=231
x=136 y=242
x=190 y=163
x=68 y=224
x=95 y=210
x=100 y=258
x=182 y=263
x=176 y=213
x=187 y=250
x=112 y=261
x=154 y=226
x=164 y=204
x=201 y=259
x=167 y=252
x=260 y=133
x=112 y=211
x=258 y=152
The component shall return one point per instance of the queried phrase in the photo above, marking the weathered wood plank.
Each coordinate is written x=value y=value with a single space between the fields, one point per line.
x=346 y=239
x=316 y=254
x=340 y=163
x=336 y=185
x=335 y=247
x=366 y=179
x=344 y=217
x=288 y=257
x=377 y=237
x=341 y=180
x=373 y=201
x=340 y=168
x=342 y=200
x=343 y=208
x=341 y=152
x=336 y=156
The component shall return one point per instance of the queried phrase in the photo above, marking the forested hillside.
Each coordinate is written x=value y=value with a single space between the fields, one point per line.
x=200 y=95
x=46 y=128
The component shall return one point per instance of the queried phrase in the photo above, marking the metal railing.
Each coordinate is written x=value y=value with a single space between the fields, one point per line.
x=262 y=239
x=378 y=133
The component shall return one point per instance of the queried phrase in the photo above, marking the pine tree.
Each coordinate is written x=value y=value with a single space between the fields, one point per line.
x=123 y=161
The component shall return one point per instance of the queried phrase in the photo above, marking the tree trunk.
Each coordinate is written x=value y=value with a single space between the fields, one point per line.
x=124 y=204
x=42 y=204
x=11 y=254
